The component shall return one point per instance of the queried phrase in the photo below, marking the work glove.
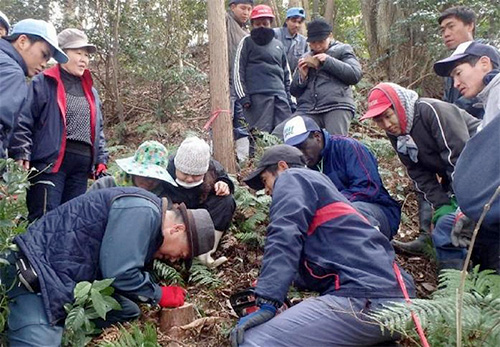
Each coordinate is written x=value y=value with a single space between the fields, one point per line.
x=463 y=227
x=444 y=210
x=100 y=170
x=265 y=313
x=172 y=296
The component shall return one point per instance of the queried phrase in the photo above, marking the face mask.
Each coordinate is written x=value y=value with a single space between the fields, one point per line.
x=262 y=36
x=188 y=185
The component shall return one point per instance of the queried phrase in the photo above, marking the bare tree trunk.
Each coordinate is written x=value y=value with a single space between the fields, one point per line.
x=219 y=86
x=115 y=22
x=277 y=19
x=329 y=11
x=315 y=9
x=305 y=4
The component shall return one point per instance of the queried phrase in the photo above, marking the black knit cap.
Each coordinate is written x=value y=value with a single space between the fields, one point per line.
x=236 y=2
x=318 y=30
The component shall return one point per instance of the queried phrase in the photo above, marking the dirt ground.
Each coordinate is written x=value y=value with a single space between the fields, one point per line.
x=244 y=261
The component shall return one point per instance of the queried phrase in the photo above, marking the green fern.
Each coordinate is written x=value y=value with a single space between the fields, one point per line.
x=481 y=311
x=200 y=274
x=167 y=274
x=134 y=336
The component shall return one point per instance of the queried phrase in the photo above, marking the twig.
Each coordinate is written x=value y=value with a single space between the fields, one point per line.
x=461 y=288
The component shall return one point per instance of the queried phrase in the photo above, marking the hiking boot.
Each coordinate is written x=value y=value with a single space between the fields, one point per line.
x=415 y=247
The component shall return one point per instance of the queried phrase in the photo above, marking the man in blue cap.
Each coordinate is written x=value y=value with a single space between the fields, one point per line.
x=350 y=166
x=25 y=52
x=295 y=43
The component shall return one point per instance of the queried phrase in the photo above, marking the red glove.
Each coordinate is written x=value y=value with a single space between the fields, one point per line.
x=100 y=169
x=172 y=296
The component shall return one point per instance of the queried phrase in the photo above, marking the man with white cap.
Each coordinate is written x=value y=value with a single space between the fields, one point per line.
x=350 y=166
x=25 y=52
x=4 y=24
x=110 y=233
x=202 y=182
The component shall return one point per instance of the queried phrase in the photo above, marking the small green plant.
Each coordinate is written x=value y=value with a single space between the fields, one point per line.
x=92 y=301
x=249 y=224
x=481 y=311
x=200 y=274
x=166 y=273
x=135 y=336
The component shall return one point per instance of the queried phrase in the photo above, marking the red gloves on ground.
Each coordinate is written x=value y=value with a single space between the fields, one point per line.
x=100 y=169
x=172 y=296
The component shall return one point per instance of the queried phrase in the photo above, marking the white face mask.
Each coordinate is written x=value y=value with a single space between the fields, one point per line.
x=188 y=185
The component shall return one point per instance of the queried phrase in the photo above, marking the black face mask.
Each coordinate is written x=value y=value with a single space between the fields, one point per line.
x=262 y=36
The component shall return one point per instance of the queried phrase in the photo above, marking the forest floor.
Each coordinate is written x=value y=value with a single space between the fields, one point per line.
x=244 y=260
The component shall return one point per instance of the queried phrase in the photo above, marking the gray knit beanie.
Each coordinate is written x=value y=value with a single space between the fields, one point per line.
x=193 y=156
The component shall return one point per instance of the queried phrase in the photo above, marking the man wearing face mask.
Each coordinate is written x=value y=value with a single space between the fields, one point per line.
x=261 y=74
x=202 y=182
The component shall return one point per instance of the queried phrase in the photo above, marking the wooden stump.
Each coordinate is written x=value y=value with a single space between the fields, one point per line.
x=173 y=317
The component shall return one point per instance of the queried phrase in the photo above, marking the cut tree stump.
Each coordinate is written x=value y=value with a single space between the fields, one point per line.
x=173 y=317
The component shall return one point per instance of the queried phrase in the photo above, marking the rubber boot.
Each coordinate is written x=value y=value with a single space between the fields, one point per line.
x=207 y=260
x=420 y=244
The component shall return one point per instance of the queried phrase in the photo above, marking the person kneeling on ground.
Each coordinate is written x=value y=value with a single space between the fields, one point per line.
x=351 y=167
x=109 y=233
x=355 y=275
x=202 y=182
x=147 y=169
x=428 y=136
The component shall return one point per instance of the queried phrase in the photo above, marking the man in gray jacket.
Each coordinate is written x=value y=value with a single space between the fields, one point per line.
x=295 y=43
x=236 y=22
x=322 y=83
x=22 y=54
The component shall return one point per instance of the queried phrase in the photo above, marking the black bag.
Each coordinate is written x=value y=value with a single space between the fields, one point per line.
x=26 y=274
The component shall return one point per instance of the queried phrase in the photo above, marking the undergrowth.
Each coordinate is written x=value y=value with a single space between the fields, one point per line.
x=481 y=311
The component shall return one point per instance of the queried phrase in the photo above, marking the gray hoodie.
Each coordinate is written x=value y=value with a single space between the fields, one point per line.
x=490 y=98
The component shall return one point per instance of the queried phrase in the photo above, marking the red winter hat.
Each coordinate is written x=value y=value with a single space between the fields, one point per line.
x=378 y=102
x=261 y=11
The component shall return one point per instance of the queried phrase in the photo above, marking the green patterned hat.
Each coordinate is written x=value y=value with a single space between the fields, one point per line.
x=150 y=160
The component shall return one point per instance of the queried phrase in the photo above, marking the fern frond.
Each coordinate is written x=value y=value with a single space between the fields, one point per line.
x=200 y=274
x=167 y=273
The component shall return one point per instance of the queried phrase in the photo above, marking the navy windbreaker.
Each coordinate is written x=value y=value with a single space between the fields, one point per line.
x=318 y=239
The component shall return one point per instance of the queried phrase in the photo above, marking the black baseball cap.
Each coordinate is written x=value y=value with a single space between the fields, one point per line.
x=272 y=155
x=318 y=30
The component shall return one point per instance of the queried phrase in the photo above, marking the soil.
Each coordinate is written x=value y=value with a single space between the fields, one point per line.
x=244 y=262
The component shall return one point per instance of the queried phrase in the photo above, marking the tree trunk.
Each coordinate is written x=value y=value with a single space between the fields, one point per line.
x=174 y=317
x=329 y=11
x=115 y=22
x=219 y=86
x=315 y=13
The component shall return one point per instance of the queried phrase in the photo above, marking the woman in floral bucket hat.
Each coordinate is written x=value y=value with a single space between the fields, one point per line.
x=146 y=169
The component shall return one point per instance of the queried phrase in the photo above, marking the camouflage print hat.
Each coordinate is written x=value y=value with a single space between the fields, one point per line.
x=150 y=160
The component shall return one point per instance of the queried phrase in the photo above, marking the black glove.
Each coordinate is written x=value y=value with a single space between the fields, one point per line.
x=246 y=101
x=463 y=228
x=265 y=313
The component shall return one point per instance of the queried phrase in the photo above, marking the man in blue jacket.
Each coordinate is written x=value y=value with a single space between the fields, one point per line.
x=22 y=54
x=109 y=233
x=350 y=166
x=317 y=239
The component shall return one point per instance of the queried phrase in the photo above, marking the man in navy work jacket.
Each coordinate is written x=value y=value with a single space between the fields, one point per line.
x=350 y=166
x=317 y=238
x=24 y=53
x=108 y=233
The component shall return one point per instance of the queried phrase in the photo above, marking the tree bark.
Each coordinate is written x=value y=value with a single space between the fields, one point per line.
x=115 y=22
x=315 y=9
x=219 y=86
x=329 y=11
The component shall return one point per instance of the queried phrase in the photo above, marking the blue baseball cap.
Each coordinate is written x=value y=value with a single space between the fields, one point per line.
x=295 y=12
x=297 y=130
x=43 y=29
x=445 y=66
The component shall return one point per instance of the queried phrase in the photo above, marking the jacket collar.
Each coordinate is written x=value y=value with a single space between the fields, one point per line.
x=492 y=79
x=8 y=49
x=55 y=73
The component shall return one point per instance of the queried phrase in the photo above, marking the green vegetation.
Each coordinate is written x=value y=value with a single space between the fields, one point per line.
x=481 y=311
x=135 y=336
